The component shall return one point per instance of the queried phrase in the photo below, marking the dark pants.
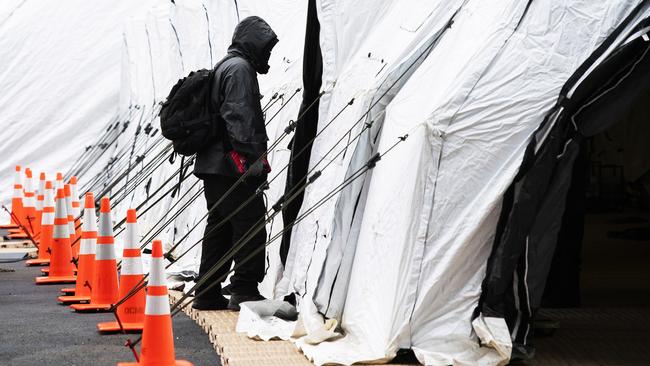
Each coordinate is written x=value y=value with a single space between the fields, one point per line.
x=219 y=238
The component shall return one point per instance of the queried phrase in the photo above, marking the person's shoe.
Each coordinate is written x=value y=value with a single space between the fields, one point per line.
x=215 y=303
x=235 y=300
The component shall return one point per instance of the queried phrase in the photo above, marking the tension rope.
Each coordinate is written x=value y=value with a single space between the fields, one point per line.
x=118 y=163
x=138 y=129
x=160 y=187
x=92 y=157
x=284 y=103
x=266 y=106
x=157 y=160
x=114 y=122
x=114 y=163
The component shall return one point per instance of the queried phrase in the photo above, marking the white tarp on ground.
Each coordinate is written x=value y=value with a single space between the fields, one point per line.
x=403 y=268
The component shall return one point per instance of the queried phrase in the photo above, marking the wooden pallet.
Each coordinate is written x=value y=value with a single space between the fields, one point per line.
x=236 y=349
x=15 y=244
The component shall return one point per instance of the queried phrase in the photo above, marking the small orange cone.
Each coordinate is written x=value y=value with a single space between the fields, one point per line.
x=71 y=228
x=131 y=312
x=21 y=218
x=71 y=217
x=29 y=204
x=40 y=196
x=86 y=261
x=157 y=336
x=76 y=209
x=58 y=184
x=16 y=200
x=47 y=228
x=104 y=291
x=61 y=266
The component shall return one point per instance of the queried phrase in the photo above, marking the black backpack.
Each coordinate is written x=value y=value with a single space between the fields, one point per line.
x=186 y=117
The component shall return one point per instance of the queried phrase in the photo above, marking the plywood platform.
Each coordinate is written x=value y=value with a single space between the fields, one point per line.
x=236 y=349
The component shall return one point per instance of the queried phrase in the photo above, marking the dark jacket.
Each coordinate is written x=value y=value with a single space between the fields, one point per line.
x=236 y=96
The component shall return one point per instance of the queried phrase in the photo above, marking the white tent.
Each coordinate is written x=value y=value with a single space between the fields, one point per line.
x=398 y=257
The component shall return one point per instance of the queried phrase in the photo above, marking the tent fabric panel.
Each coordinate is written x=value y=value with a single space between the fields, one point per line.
x=530 y=234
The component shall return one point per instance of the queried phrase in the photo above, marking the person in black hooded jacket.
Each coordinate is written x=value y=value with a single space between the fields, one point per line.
x=240 y=146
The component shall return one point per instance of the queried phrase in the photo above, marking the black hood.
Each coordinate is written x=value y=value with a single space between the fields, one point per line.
x=253 y=40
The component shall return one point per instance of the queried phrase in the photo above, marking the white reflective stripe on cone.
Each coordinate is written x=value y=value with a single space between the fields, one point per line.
x=105 y=225
x=39 y=205
x=41 y=187
x=28 y=201
x=104 y=252
x=61 y=232
x=156 y=272
x=68 y=205
x=90 y=220
x=71 y=228
x=61 y=213
x=157 y=305
x=131 y=236
x=49 y=198
x=18 y=192
x=75 y=210
x=47 y=218
x=131 y=266
x=74 y=192
x=87 y=246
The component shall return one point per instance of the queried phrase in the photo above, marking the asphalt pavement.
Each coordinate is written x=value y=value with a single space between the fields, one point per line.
x=36 y=330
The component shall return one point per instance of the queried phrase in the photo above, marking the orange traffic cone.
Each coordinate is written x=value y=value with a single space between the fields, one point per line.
x=104 y=291
x=29 y=203
x=71 y=228
x=47 y=228
x=86 y=261
x=157 y=336
x=28 y=218
x=74 y=244
x=76 y=209
x=40 y=196
x=61 y=266
x=16 y=200
x=131 y=312
x=18 y=208
x=58 y=184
